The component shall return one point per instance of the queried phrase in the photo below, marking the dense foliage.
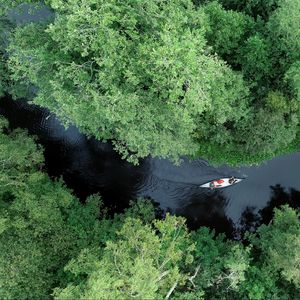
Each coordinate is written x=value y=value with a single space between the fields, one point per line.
x=167 y=78
x=217 y=79
x=4 y=74
x=42 y=225
x=51 y=245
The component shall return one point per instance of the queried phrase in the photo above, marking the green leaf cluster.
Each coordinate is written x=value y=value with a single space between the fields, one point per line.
x=42 y=225
x=166 y=78
x=51 y=245
x=119 y=71
x=263 y=48
x=138 y=73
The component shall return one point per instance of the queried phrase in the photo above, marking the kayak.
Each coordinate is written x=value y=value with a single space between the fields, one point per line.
x=221 y=183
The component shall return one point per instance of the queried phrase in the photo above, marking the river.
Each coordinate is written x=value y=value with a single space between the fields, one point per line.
x=89 y=166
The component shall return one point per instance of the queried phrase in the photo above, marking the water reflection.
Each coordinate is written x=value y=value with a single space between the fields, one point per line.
x=249 y=221
x=207 y=209
x=252 y=217
x=89 y=166
x=27 y=13
x=279 y=196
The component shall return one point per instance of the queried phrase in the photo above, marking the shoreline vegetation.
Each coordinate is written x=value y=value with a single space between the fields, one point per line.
x=217 y=80
x=165 y=78
x=51 y=245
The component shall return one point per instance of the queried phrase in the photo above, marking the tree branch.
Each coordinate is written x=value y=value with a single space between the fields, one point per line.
x=191 y=278
x=171 y=290
x=162 y=275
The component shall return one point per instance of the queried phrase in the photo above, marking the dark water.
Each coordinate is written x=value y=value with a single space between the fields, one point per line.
x=89 y=166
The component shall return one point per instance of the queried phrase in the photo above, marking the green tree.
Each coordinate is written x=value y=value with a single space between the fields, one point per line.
x=255 y=8
x=142 y=74
x=292 y=75
x=221 y=264
x=42 y=225
x=269 y=129
x=284 y=31
x=49 y=240
x=134 y=72
x=157 y=260
x=20 y=157
x=274 y=271
x=226 y=30
x=5 y=28
x=280 y=243
x=7 y=6
x=144 y=263
x=254 y=59
x=160 y=259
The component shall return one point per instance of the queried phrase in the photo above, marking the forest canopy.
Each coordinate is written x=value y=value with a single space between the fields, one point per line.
x=165 y=78
x=51 y=245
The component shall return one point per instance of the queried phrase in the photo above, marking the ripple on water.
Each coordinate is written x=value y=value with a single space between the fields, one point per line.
x=89 y=166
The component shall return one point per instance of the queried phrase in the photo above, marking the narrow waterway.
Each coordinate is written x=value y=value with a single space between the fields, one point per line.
x=89 y=166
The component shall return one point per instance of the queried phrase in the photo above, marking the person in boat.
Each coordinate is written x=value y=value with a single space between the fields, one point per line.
x=232 y=180
x=216 y=183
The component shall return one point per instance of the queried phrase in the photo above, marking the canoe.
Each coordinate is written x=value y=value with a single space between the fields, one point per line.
x=221 y=183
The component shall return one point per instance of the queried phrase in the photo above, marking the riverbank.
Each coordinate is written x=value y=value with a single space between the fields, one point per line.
x=89 y=166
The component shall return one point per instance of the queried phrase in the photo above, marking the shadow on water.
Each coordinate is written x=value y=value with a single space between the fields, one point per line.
x=252 y=218
x=89 y=166
x=280 y=196
x=86 y=165
x=207 y=209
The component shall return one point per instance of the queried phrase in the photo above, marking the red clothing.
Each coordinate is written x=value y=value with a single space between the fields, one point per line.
x=216 y=183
